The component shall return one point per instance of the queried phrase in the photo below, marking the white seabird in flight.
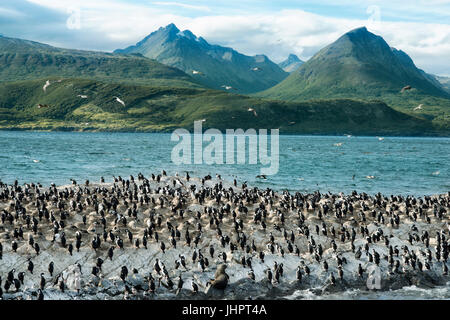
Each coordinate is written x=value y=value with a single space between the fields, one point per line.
x=46 y=85
x=120 y=101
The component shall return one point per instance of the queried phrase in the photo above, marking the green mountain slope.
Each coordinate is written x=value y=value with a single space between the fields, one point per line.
x=75 y=104
x=22 y=60
x=362 y=65
x=214 y=66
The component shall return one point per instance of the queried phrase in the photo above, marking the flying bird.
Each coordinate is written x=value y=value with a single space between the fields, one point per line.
x=120 y=101
x=405 y=88
x=256 y=69
x=46 y=85
x=228 y=87
x=179 y=182
x=252 y=110
x=419 y=107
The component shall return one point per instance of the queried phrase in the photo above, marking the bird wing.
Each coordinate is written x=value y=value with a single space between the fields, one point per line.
x=46 y=85
x=120 y=101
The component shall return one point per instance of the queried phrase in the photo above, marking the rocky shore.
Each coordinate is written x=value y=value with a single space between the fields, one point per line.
x=179 y=227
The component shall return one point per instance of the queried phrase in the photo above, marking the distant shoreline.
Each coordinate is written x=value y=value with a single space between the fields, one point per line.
x=169 y=131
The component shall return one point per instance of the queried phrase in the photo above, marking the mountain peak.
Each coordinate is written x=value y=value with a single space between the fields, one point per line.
x=358 y=64
x=359 y=34
x=213 y=65
x=293 y=58
x=359 y=44
x=187 y=34
x=291 y=64
x=170 y=27
x=360 y=30
x=171 y=32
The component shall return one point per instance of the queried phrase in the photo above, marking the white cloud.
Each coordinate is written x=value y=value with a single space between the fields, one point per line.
x=10 y=13
x=275 y=34
x=183 y=5
x=304 y=33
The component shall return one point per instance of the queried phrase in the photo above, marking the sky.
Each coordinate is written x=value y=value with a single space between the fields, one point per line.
x=421 y=28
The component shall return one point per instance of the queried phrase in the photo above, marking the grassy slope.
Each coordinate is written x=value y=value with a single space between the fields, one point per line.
x=26 y=60
x=435 y=109
x=166 y=108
